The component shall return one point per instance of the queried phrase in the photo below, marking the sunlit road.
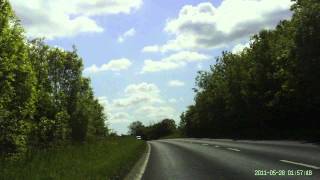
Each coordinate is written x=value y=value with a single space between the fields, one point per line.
x=226 y=159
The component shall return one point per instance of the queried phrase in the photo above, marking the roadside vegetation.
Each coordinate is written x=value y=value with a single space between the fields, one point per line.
x=44 y=99
x=51 y=125
x=174 y=135
x=270 y=90
x=164 y=128
x=108 y=158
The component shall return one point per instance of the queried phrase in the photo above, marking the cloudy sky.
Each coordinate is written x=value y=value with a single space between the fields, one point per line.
x=143 y=55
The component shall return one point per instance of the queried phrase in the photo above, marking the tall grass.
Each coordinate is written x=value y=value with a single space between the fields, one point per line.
x=110 y=158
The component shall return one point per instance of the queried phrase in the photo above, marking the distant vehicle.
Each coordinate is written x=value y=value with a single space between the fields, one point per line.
x=138 y=137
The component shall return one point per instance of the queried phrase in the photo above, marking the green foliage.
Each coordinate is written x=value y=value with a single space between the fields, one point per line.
x=17 y=84
x=307 y=41
x=107 y=158
x=49 y=131
x=163 y=128
x=136 y=128
x=272 y=86
x=44 y=100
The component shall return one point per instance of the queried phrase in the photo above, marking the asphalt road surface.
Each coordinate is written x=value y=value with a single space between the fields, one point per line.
x=203 y=159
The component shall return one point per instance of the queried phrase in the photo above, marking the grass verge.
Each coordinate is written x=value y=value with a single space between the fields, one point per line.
x=111 y=158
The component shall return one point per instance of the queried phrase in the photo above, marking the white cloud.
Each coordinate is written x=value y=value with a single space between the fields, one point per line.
x=136 y=94
x=205 y=26
x=152 y=48
x=120 y=117
x=103 y=100
x=142 y=102
x=60 y=18
x=142 y=88
x=173 y=61
x=131 y=32
x=239 y=47
x=176 y=83
x=113 y=115
x=135 y=100
x=157 y=112
x=112 y=65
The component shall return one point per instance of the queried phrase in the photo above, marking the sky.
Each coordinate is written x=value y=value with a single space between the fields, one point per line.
x=142 y=56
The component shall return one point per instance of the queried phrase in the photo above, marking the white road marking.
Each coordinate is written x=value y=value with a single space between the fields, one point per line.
x=233 y=149
x=301 y=164
x=144 y=165
x=216 y=146
x=205 y=144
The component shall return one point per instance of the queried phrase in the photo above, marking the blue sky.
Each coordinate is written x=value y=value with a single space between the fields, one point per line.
x=143 y=55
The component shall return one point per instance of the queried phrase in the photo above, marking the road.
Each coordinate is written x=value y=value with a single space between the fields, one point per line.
x=227 y=159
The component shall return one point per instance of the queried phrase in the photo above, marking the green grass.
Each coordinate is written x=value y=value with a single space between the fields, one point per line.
x=111 y=158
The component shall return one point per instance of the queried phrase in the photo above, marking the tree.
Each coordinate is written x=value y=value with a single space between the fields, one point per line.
x=268 y=89
x=17 y=84
x=136 y=128
x=44 y=100
x=307 y=51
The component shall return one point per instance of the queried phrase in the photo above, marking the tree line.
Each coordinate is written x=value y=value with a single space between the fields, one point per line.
x=158 y=130
x=44 y=99
x=269 y=90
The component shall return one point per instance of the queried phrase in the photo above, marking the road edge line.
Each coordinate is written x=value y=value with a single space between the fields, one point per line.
x=300 y=164
x=234 y=149
x=139 y=168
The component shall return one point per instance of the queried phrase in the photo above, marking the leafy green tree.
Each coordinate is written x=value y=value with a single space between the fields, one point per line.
x=307 y=51
x=44 y=99
x=136 y=128
x=269 y=90
x=17 y=84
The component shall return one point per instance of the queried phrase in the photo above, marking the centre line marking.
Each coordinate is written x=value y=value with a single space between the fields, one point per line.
x=301 y=164
x=216 y=146
x=233 y=149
